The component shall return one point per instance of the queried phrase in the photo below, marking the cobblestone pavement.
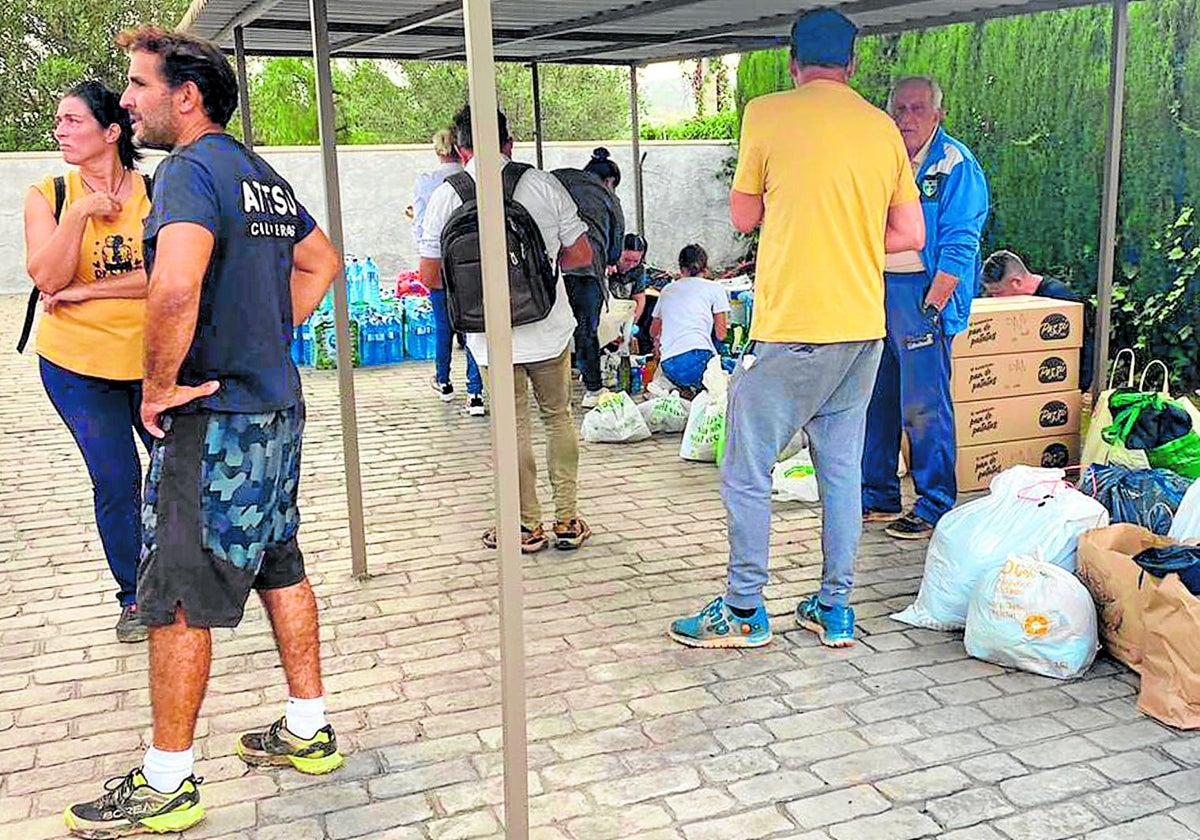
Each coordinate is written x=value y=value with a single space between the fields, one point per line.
x=631 y=736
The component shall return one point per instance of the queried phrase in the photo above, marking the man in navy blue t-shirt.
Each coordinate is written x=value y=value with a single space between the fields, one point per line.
x=234 y=260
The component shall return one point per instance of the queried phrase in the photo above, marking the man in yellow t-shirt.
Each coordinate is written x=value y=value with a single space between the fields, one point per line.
x=827 y=176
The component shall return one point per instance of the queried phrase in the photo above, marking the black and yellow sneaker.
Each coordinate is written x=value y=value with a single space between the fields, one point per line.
x=277 y=746
x=130 y=806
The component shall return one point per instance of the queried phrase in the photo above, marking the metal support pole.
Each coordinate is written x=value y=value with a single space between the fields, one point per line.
x=239 y=52
x=481 y=72
x=341 y=308
x=639 y=195
x=537 y=114
x=1112 y=188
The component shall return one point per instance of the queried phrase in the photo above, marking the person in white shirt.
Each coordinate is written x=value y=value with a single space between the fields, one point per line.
x=443 y=147
x=541 y=356
x=688 y=313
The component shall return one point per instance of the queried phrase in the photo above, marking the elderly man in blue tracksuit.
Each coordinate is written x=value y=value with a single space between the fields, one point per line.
x=928 y=299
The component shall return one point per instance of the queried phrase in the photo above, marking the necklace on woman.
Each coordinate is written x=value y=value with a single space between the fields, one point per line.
x=120 y=184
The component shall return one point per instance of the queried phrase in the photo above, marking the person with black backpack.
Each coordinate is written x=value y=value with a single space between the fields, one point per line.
x=83 y=243
x=593 y=189
x=544 y=234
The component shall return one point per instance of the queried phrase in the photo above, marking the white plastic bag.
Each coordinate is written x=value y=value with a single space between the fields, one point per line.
x=1034 y=616
x=1186 y=524
x=615 y=419
x=795 y=479
x=1027 y=510
x=667 y=414
x=706 y=420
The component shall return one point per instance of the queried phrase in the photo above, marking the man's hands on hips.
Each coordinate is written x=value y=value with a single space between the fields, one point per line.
x=941 y=290
x=155 y=401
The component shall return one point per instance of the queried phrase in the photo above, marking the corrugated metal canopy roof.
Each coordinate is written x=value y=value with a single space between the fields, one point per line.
x=566 y=31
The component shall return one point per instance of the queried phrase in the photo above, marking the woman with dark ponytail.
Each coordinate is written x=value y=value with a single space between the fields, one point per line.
x=83 y=240
x=593 y=190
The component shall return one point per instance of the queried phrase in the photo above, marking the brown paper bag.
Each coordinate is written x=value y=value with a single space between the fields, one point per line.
x=1171 y=653
x=1105 y=565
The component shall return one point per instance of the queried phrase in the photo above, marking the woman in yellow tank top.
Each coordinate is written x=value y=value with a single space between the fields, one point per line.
x=87 y=263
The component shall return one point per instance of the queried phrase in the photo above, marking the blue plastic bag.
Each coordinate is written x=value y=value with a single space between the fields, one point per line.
x=1148 y=498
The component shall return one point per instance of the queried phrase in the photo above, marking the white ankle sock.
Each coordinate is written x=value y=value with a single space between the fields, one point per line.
x=165 y=771
x=305 y=717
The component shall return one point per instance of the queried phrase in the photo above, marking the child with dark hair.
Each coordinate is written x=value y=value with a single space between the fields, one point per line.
x=688 y=313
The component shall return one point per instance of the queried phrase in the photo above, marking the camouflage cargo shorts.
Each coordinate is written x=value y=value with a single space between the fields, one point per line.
x=219 y=516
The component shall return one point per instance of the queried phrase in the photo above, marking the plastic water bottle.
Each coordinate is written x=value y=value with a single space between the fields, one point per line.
x=366 y=353
x=637 y=379
x=308 y=344
x=395 y=340
x=353 y=281
x=624 y=366
x=371 y=278
x=383 y=341
x=295 y=348
x=378 y=341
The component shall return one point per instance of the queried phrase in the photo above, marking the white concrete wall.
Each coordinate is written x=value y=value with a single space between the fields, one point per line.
x=685 y=200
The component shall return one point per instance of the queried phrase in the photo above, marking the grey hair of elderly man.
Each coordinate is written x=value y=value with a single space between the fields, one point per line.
x=935 y=90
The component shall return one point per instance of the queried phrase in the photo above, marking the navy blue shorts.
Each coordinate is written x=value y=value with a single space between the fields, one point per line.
x=219 y=516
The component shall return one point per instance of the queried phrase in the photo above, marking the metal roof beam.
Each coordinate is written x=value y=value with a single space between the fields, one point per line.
x=975 y=16
x=359 y=28
x=403 y=24
x=649 y=7
x=728 y=32
x=247 y=15
x=726 y=44
x=392 y=55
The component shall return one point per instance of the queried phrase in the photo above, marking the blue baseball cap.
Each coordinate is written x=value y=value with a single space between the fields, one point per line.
x=823 y=36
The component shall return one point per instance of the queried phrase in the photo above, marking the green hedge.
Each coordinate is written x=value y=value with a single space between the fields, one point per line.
x=720 y=126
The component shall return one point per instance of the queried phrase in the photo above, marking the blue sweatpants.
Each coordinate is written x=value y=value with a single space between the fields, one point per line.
x=445 y=345
x=912 y=392
x=102 y=415
x=823 y=389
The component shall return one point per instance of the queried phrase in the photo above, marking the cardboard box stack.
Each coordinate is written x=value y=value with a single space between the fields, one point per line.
x=1015 y=386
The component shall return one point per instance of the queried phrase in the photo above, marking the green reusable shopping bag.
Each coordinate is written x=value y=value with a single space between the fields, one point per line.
x=1181 y=454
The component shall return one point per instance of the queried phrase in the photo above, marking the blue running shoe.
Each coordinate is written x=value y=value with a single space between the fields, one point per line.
x=834 y=626
x=716 y=626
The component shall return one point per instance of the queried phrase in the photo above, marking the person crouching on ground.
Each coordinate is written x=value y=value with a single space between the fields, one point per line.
x=689 y=312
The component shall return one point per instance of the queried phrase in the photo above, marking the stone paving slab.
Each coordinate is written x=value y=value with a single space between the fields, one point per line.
x=631 y=736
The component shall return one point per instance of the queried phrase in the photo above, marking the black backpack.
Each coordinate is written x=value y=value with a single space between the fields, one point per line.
x=531 y=276
x=35 y=295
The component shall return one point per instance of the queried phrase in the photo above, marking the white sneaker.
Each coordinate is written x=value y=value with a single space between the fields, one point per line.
x=591 y=398
x=475 y=406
